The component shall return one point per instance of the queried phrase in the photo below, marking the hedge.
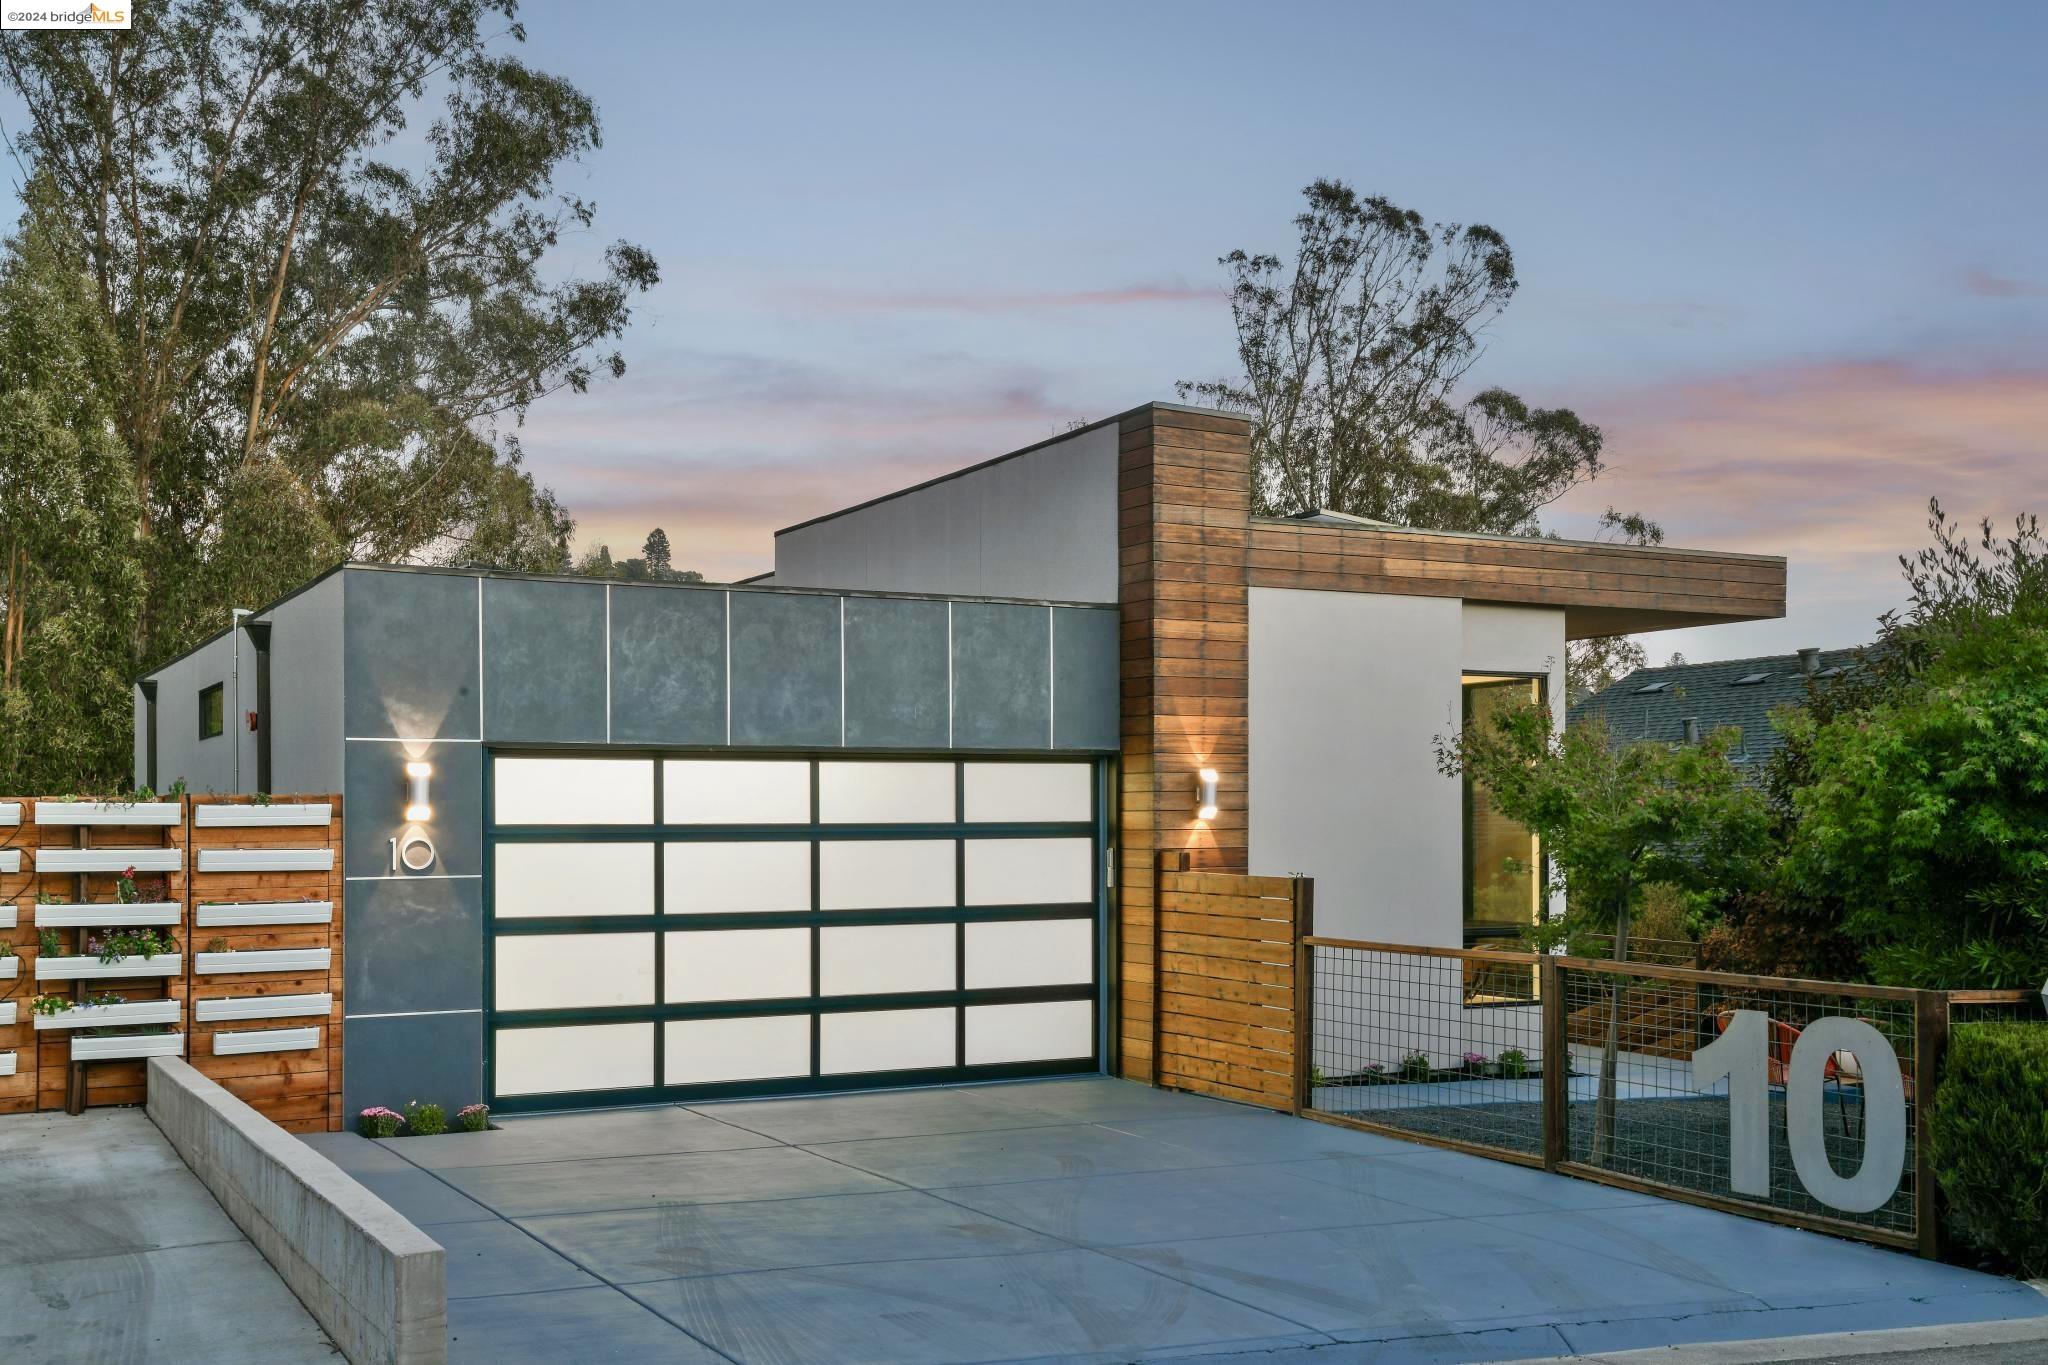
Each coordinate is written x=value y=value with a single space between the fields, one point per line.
x=1990 y=1139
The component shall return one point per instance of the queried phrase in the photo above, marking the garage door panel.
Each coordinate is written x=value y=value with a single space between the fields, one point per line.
x=1030 y=871
x=886 y=874
x=574 y=791
x=740 y=878
x=721 y=1051
x=886 y=793
x=561 y=879
x=1048 y=952
x=887 y=1040
x=737 y=964
x=1026 y=793
x=573 y=971
x=884 y=959
x=553 y=1060
x=1045 y=1031
x=712 y=791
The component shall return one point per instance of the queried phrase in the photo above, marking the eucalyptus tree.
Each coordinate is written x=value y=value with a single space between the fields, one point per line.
x=327 y=237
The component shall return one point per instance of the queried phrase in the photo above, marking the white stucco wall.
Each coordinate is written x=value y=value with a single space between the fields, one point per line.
x=1040 y=524
x=1348 y=692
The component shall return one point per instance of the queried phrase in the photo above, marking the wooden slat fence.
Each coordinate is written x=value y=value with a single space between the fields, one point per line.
x=1229 y=998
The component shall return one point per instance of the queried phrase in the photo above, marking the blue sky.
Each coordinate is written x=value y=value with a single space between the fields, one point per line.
x=1791 y=258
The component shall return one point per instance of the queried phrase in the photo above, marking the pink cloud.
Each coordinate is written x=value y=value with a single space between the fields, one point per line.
x=1986 y=285
x=1000 y=301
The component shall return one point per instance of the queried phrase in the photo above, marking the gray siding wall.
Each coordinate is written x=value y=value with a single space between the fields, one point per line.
x=1040 y=524
x=208 y=765
x=305 y=690
x=439 y=666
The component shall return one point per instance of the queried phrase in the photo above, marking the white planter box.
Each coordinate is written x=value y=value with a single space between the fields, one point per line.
x=107 y=916
x=6 y=1063
x=109 y=812
x=264 y=960
x=10 y=860
x=262 y=1006
x=92 y=969
x=10 y=812
x=109 y=859
x=266 y=859
x=7 y=1009
x=10 y=967
x=258 y=817
x=9 y=917
x=135 y=1013
x=115 y=1046
x=225 y=915
x=265 y=1040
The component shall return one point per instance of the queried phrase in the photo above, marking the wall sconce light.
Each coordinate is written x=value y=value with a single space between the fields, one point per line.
x=418 y=807
x=1205 y=794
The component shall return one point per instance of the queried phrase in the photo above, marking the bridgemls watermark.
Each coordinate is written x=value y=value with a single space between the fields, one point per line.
x=87 y=15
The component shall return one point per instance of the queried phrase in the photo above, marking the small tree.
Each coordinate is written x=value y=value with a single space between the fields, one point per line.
x=1614 y=821
x=656 y=553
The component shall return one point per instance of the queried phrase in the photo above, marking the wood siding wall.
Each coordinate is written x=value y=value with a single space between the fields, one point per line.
x=1603 y=588
x=1183 y=513
x=1228 y=997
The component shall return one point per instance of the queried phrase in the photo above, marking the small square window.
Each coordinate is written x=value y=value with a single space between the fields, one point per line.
x=213 y=715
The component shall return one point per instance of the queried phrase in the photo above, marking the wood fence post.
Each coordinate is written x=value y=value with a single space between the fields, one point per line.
x=1557 y=1057
x=1304 y=896
x=1168 y=860
x=1930 y=1043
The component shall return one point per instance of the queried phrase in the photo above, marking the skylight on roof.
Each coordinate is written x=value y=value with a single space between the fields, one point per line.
x=1654 y=687
x=1749 y=680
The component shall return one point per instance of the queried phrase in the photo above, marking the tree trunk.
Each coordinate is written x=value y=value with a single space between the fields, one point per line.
x=1610 y=1056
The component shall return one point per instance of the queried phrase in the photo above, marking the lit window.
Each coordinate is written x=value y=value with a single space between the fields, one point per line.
x=1504 y=882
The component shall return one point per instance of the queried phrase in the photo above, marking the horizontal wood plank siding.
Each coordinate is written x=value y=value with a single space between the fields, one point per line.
x=1228 y=1001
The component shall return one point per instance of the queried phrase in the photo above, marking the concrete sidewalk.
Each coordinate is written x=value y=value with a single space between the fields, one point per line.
x=112 y=1251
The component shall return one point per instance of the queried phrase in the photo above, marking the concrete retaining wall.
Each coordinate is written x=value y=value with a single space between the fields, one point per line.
x=376 y=1283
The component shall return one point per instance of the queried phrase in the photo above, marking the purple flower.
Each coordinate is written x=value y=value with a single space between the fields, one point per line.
x=1475 y=1059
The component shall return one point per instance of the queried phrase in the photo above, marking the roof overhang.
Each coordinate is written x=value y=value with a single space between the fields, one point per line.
x=1604 y=589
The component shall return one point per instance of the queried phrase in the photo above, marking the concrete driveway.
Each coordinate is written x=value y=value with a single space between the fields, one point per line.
x=1086 y=1218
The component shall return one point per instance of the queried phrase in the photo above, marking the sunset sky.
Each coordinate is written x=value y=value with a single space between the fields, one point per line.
x=1791 y=259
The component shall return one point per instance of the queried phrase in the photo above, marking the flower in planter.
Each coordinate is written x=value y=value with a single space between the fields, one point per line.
x=425 y=1120
x=1415 y=1067
x=473 y=1118
x=1514 y=1064
x=1475 y=1062
x=124 y=886
x=379 y=1122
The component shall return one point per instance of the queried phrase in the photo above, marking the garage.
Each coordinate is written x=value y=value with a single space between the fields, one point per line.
x=688 y=926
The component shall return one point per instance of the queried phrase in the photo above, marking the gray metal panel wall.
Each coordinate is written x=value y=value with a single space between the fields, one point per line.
x=206 y=765
x=305 y=690
x=1041 y=524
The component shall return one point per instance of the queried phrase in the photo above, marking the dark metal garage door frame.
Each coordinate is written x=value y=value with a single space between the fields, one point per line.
x=1095 y=829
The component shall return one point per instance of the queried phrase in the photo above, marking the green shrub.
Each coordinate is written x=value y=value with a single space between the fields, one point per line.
x=1415 y=1067
x=425 y=1120
x=1990 y=1147
x=379 y=1122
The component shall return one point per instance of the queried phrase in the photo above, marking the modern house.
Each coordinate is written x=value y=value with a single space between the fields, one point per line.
x=1682 y=703
x=890 y=813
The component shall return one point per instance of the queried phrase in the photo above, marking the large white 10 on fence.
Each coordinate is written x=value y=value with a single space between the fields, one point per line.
x=1742 y=1055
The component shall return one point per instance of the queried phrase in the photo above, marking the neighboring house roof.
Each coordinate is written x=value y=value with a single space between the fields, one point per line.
x=1656 y=703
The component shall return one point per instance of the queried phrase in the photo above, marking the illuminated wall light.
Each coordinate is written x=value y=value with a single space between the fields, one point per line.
x=418 y=807
x=1205 y=794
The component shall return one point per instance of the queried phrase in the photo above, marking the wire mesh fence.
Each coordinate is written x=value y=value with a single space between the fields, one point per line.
x=1439 y=1044
x=1801 y=1098
x=1796 y=1101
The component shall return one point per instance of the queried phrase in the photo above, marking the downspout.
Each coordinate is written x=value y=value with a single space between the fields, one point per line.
x=235 y=727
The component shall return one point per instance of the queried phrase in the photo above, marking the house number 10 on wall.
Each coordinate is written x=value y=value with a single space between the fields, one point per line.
x=1742 y=1056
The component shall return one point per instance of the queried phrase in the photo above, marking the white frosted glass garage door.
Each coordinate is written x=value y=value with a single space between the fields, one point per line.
x=701 y=926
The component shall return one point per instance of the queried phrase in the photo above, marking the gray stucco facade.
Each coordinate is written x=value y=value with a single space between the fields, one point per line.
x=373 y=666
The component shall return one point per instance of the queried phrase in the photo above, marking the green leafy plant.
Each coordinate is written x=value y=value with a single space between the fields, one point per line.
x=49 y=1006
x=1514 y=1064
x=217 y=945
x=50 y=943
x=144 y=943
x=124 y=887
x=473 y=1118
x=48 y=898
x=379 y=1122
x=259 y=799
x=1415 y=1067
x=425 y=1120
x=1990 y=1147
